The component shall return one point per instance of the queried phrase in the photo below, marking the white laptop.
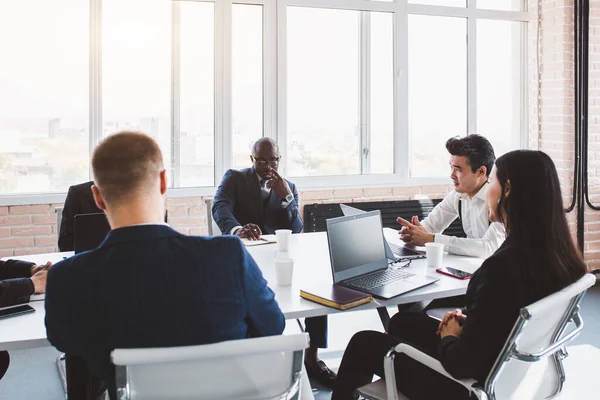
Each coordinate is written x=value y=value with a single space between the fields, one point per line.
x=393 y=251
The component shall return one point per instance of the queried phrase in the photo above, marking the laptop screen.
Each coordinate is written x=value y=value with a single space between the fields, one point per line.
x=356 y=245
x=90 y=231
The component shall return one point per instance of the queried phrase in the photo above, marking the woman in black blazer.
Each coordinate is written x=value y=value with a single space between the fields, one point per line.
x=537 y=259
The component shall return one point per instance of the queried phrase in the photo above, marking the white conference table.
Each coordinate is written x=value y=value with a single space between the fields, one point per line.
x=311 y=266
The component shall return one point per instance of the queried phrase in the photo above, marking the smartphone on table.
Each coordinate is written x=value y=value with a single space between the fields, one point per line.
x=455 y=273
x=14 y=311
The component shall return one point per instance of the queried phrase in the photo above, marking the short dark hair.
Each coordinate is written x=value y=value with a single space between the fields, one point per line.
x=124 y=164
x=476 y=148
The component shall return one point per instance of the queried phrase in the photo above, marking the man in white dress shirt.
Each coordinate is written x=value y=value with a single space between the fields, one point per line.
x=471 y=160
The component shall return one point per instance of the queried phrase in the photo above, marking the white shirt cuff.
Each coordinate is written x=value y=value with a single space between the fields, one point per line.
x=443 y=239
x=235 y=228
x=285 y=204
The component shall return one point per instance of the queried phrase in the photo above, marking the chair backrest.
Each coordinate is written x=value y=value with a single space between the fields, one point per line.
x=315 y=214
x=213 y=228
x=260 y=368
x=58 y=211
x=530 y=364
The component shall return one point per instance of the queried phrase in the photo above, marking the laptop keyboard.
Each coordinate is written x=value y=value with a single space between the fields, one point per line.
x=378 y=279
x=402 y=251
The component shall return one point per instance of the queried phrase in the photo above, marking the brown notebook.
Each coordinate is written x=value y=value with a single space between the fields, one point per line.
x=335 y=296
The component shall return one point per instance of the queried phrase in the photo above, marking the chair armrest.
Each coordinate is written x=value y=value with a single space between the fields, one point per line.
x=417 y=355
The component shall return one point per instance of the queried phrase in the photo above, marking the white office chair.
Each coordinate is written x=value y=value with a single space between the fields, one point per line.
x=530 y=363
x=213 y=228
x=58 y=211
x=261 y=368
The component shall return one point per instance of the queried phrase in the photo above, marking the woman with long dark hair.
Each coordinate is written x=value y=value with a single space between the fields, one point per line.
x=537 y=259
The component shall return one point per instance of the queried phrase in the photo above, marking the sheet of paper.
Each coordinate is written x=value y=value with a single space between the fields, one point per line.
x=264 y=239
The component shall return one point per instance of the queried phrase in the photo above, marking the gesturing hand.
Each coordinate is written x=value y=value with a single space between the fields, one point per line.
x=414 y=233
x=36 y=268
x=249 y=231
x=39 y=277
x=278 y=184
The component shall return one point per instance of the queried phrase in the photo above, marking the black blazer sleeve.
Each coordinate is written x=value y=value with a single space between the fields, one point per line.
x=15 y=285
x=224 y=204
x=491 y=316
x=66 y=237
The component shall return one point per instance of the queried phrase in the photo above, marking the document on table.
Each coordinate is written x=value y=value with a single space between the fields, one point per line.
x=264 y=239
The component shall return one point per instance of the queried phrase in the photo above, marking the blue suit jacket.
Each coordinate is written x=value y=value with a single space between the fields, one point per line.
x=149 y=286
x=238 y=202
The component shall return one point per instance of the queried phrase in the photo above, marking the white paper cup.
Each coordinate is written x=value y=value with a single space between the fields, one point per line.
x=284 y=271
x=435 y=253
x=284 y=239
x=283 y=254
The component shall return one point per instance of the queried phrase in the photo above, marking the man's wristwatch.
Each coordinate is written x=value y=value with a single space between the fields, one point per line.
x=289 y=198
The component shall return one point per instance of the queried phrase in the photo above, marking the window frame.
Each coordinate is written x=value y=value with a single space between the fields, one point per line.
x=275 y=88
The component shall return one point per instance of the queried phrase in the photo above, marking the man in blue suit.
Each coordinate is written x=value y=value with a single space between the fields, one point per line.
x=147 y=285
x=258 y=200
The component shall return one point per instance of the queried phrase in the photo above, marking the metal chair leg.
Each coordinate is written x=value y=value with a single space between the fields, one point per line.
x=61 y=372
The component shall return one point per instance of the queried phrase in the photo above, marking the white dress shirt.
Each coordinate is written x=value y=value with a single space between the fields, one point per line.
x=483 y=238
x=265 y=191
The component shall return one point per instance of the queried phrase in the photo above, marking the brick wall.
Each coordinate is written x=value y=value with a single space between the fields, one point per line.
x=554 y=89
x=592 y=217
x=27 y=229
x=556 y=105
x=32 y=229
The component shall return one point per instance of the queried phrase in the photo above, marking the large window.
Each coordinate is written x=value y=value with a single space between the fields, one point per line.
x=157 y=77
x=340 y=86
x=247 y=81
x=437 y=90
x=499 y=83
x=357 y=93
x=194 y=141
x=136 y=69
x=323 y=92
x=43 y=95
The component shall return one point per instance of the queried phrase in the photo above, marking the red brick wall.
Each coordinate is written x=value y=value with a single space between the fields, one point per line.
x=32 y=229
x=592 y=217
x=27 y=229
x=556 y=97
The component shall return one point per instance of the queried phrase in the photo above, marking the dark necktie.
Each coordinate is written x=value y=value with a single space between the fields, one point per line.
x=264 y=190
